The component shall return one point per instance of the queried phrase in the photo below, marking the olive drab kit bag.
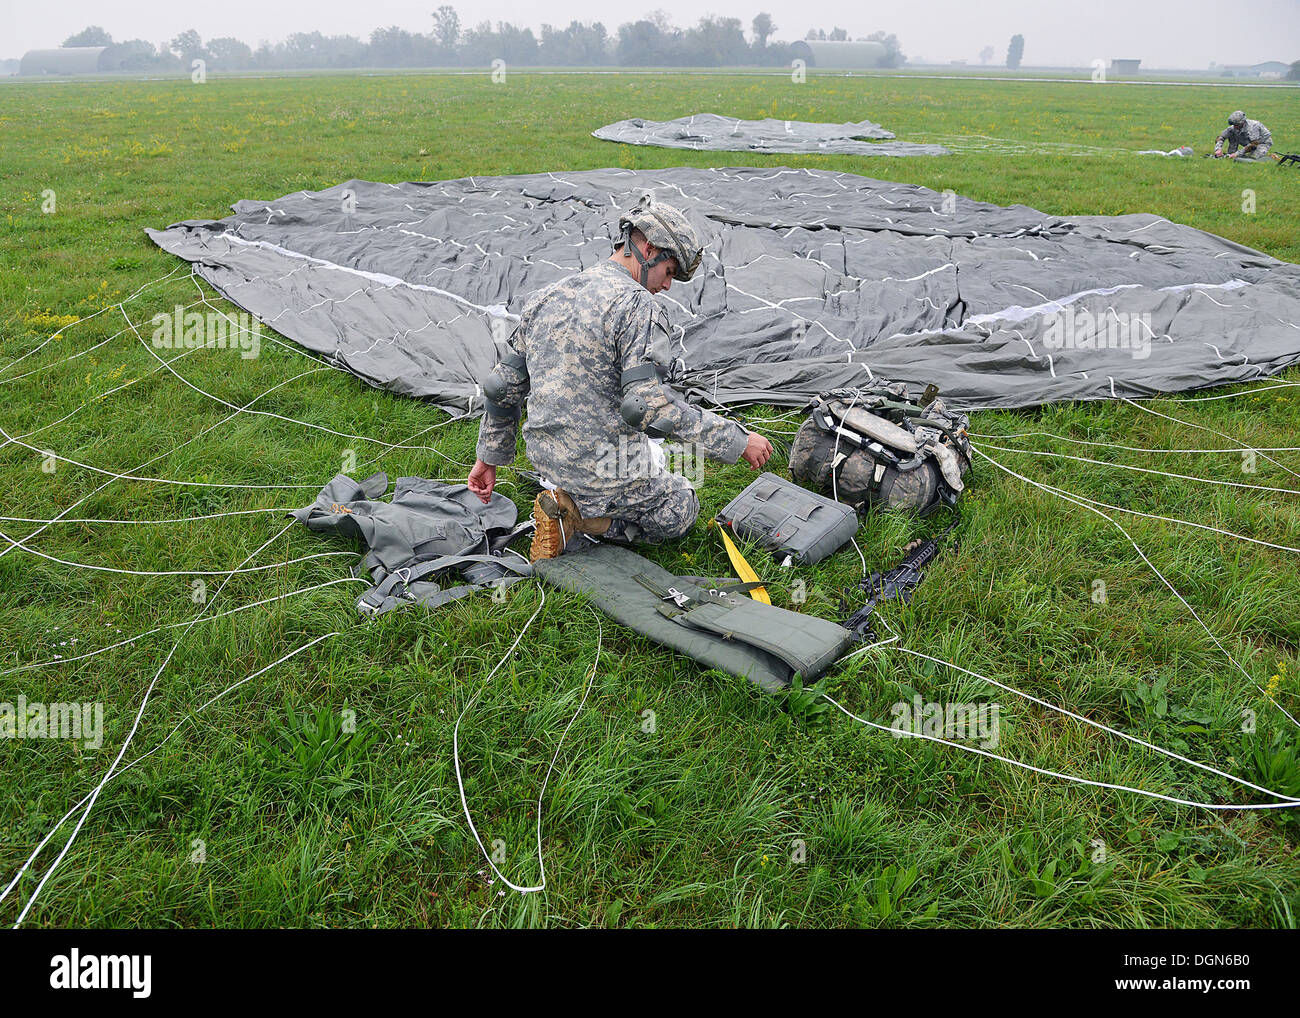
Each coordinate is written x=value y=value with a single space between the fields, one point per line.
x=875 y=446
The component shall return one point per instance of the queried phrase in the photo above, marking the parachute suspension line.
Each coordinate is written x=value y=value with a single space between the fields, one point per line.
x=1201 y=427
x=144 y=702
x=455 y=745
x=82 y=353
x=129 y=474
x=140 y=759
x=1125 y=448
x=1167 y=519
x=1098 y=725
x=79 y=321
x=175 y=519
x=1230 y=395
x=1145 y=470
x=176 y=625
x=97 y=399
x=1056 y=774
x=894 y=637
x=281 y=417
x=1085 y=505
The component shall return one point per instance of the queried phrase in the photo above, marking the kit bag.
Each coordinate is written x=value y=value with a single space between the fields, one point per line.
x=798 y=526
x=710 y=620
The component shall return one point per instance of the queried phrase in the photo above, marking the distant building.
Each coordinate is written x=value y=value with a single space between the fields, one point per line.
x=1268 y=69
x=69 y=60
x=846 y=55
x=1126 y=68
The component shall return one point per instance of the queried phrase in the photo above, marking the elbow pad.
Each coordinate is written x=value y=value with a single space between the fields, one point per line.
x=510 y=374
x=495 y=395
x=637 y=411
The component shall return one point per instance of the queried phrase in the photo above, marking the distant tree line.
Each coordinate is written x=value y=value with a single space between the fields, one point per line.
x=652 y=41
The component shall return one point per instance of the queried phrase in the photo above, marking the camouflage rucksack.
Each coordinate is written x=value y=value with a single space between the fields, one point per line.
x=875 y=446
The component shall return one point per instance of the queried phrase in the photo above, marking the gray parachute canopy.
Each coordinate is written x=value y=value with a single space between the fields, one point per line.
x=714 y=133
x=811 y=280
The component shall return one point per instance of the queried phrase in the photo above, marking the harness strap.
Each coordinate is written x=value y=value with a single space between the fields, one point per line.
x=743 y=568
x=386 y=595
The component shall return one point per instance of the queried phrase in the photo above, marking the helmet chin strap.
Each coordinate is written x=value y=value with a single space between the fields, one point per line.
x=646 y=263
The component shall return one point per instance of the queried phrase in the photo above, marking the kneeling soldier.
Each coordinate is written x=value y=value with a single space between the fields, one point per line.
x=590 y=353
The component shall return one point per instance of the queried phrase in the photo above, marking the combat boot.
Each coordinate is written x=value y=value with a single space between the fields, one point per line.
x=557 y=519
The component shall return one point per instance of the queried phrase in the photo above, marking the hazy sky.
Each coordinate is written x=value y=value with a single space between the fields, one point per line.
x=1163 y=33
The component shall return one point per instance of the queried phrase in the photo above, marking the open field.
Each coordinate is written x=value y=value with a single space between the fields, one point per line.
x=260 y=811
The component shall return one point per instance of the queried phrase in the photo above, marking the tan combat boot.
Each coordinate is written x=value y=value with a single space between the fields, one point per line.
x=558 y=519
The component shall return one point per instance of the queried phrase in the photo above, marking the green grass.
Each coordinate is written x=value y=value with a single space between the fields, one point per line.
x=695 y=823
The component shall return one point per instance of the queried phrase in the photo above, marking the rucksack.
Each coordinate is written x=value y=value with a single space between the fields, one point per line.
x=876 y=446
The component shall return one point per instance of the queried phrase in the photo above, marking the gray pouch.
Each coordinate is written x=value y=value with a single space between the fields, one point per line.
x=799 y=526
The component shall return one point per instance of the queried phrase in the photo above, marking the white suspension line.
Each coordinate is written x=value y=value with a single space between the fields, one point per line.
x=169 y=572
x=177 y=625
x=141 y=466
x=98 y=399
x=1098 y=725
x=59 y=332
x=75 y=356
x=117 y=774
x=178 y=519
x=150 y=480
x=1151 y=565
x=1128 y=448
x=281 y=417
x=1201 y=427
x=455 y=742
x=90 y=805
x=905 y=733
x=1230 y=395
x=1145 y=470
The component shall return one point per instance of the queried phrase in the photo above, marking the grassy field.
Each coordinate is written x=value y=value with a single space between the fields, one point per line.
x=261 y=811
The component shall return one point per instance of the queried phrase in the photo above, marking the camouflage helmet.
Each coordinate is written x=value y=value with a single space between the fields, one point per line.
x=668 y=229
x=1236 y=118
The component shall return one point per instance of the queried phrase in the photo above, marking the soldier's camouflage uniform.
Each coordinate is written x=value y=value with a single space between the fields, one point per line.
x=578 y=336
x=1252 y=132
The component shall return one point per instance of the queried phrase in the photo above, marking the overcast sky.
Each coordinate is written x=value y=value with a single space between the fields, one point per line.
x=1162 y=33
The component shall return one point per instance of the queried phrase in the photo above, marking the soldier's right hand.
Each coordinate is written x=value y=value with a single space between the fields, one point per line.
x=758 y=450
x=482 y=479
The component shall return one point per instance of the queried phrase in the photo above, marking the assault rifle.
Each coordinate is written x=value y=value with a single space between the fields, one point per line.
x=897 y=584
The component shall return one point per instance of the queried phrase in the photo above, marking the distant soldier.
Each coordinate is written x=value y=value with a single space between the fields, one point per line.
x=1250 y=135
x=591 y=355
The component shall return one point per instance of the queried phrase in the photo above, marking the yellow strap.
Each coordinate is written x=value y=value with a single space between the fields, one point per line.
x=743 y=568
